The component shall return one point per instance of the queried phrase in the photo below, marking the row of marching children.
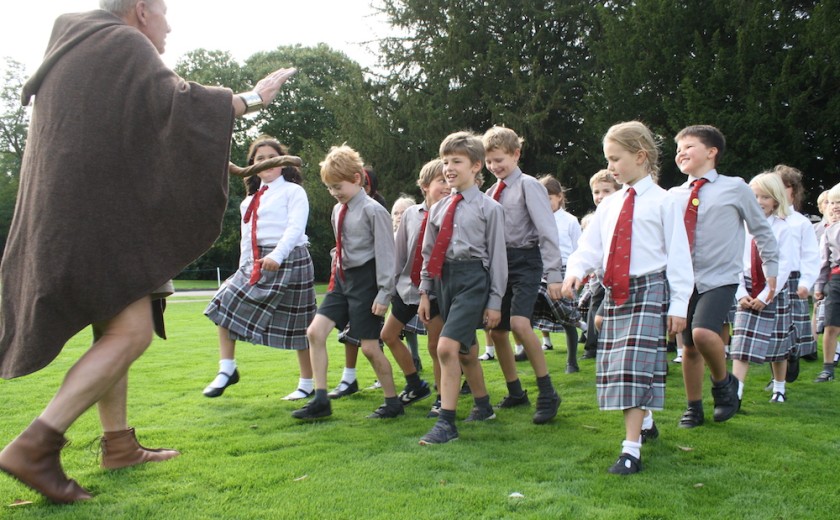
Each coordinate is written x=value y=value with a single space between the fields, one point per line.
x=463 y=260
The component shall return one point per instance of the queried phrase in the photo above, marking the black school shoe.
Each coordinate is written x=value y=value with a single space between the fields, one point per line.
x=650 y=434
x=626 y=465
x=348 y=389
x=547 y=405
x=692 y=417
x=511 y=401
x=726 y=399
x=314 y=409
x=387 y=412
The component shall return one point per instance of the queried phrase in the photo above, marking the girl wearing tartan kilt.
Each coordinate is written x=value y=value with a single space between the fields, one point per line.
x=648 y=284
x=270 y=300
x=805 y=267
x=763 y=328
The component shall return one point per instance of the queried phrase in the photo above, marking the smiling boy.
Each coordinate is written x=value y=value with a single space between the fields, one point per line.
x=716 y=207
x=465 y=267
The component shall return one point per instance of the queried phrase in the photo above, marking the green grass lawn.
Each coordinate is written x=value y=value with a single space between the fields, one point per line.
x=243 y=456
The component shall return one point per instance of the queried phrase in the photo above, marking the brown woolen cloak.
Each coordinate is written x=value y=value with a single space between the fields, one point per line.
x=123 y=183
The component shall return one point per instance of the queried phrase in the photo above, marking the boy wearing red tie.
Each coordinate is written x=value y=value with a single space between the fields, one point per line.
x=465 y=267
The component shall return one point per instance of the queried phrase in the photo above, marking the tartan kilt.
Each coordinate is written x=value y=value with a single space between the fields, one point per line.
x=631 y=360
x=782 y=337
x=800 y=314
x=415 y=325
x=759 y=336
x=276 y=310
x=552 y=315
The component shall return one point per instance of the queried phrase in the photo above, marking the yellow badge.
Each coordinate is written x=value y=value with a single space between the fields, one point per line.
x=695 y=202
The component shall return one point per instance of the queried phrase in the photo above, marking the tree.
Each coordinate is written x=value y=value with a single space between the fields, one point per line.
x=463 y=64
x=14 y=124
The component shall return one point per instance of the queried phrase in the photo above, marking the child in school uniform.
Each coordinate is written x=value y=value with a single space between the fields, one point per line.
x=270 y=300
x=818 y=316
x=762 y=330
x=805 y=267
x=406 y=298
x=602 y=184
x=638 y=238
x=560 y=315
x=413 y=327
x=716 y=207
x=465 y=268
x=827 y=287
x=361 y=285
x=532 y=251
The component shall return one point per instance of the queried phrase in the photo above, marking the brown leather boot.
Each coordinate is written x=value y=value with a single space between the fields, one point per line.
x=121 y=449
x=34 y=458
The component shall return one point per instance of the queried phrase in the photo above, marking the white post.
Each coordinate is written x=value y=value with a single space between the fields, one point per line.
x=218 y=277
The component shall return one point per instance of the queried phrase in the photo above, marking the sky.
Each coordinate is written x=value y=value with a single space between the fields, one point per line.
x=241 y=27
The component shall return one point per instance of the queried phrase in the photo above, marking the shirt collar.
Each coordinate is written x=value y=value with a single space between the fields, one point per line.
x=641 y=186
x=470 y=193
x=711 y=176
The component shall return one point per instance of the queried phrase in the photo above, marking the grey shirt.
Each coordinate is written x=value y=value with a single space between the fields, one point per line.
x=529 y=220
x=406 y=244
x=478 y=234
x=726 y=203
x=829 y=255
x=368 y=234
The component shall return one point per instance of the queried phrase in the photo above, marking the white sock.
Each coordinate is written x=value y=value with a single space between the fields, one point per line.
x=547 y=341
x=632 y=448
x=307 y=385
x=490 y=350
x=226 y=366
x=778 y=386
x=582 y=326
x=349 y=375
x=837 y=348
x=740 y=389
x=647 y=422
x=520 y=349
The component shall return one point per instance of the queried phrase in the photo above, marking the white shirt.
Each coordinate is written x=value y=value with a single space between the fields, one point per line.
x=659 y=241
x=781 y=230
x=804 y=241
x=568 y=231
x=281 y=220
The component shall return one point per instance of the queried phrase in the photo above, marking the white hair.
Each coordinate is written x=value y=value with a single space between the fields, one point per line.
x=117 y=7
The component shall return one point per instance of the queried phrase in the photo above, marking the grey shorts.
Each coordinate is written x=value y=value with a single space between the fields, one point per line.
x=709 y=310
x=462 y=292
x=351 y=300
x=525 y=270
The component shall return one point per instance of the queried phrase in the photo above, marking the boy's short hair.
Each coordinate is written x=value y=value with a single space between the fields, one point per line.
x=342 y=163
x=429 y=172
x=792 y=179
x=834 y=192
x=604 y=176
x=708 y=135
x=503 y=139
x=463 y=143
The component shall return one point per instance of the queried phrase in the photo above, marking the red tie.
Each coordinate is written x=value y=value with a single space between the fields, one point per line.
x=417 y=263
x=617 y=274
x=690 y=216
x=498 y=193
x=444 y=237
x=756 y=272
x=337 y=267
x=251 y=214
